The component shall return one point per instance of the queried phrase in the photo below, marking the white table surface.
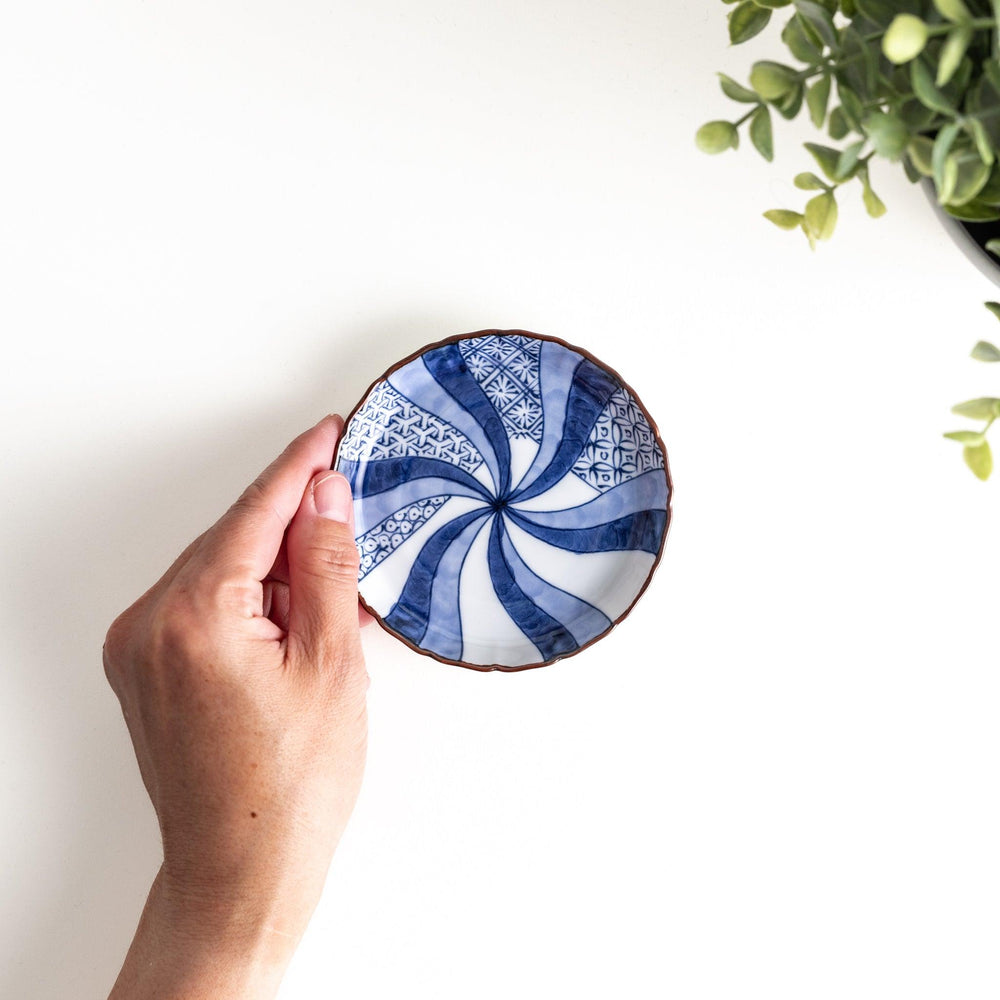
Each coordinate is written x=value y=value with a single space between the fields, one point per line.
x=777 y=778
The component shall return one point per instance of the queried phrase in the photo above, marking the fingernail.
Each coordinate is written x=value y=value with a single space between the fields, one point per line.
x=332 y=496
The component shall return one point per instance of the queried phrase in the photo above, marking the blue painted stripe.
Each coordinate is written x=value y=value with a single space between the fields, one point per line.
x=592 y=388
x=549 y=636
x=583 y=620
x=418 y=386
x=450 y=371
x=375 y=509
x=388 y=473
x=641 y=532
x=646 y=492
x=556 y=367
x=444 y=617
x=411 y=612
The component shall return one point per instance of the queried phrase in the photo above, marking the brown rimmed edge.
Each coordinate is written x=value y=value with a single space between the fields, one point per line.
x=506 y=668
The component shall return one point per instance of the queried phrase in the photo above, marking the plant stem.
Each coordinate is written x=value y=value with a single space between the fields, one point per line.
x=976 y=23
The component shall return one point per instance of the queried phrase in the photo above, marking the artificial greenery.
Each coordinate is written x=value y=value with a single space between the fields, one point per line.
x=975 y=447
x=909 y=81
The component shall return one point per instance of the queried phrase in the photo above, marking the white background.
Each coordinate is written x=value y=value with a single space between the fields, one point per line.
x=777 y=778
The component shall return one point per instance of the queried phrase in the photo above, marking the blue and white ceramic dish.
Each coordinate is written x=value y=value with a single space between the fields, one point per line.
x=511 y=500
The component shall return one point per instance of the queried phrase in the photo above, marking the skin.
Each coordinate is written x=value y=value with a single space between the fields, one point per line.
x=242 y=682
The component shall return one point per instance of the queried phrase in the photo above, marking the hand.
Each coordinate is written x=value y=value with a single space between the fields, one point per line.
x=242 y=682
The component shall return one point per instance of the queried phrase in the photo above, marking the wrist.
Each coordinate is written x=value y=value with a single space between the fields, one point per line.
x=193 y=945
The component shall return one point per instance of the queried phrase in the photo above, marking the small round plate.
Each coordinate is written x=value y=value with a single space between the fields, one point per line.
x=511 y=499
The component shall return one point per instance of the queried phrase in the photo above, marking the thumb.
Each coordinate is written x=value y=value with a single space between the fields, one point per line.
x=323 y=575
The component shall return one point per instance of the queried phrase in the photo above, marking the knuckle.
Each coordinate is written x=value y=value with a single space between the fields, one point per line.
x=256 y=501
x=344 y=552
x=116 y=644
x=338 y=560
x=253 y=498
x=172 y=637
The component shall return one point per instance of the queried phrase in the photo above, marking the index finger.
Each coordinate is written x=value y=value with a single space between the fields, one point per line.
x=244 y=543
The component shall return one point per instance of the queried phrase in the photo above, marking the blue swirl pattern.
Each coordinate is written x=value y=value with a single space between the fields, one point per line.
x=511 y=499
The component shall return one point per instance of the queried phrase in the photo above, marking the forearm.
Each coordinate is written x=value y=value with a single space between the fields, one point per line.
x=179 y=953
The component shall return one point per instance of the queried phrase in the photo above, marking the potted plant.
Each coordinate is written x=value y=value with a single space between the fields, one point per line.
x=913 y=82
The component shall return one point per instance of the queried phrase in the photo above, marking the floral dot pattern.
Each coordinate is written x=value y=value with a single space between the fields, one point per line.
x=621 y=446
x=382 y=540
x=507 y=369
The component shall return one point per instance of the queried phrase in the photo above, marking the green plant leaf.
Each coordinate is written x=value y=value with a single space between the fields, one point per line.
x=991 y=70
x=970 y=176
x=808 y=181
x=817 y=98
x=736 y=91
x=918 y=117
x=957 y=89
x=979 y=459
x=949 y=180
x=952 y=10
x=812 y=34
x=820 y=20
x=772 y=80
x=717 y=137
x=994 y=307
x=985 y=351
x=838 y=127
x=889 y=134
x=990 y=194
x=821 y=216
x=993 y=247
x=848 y=9
x=746 y=20
x=942 y=147
x=859 y=66
x=927 y=93
x=848 y=160
x=783 y=218
x=972 y=438
x=800 y=43
x=826 y=157
x=921 y=149
x=952 y=52
x=773 y=4
x=984 y=408
x=904 y=39
x=879 y=12
x=874 y=205
x=760 y=133
x=913 y=175
x=851 y=103
x=974 y=211
x=980 y=137
x=790 y=105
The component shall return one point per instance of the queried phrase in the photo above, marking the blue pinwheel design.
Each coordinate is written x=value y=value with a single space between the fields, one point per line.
x=519 y=438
